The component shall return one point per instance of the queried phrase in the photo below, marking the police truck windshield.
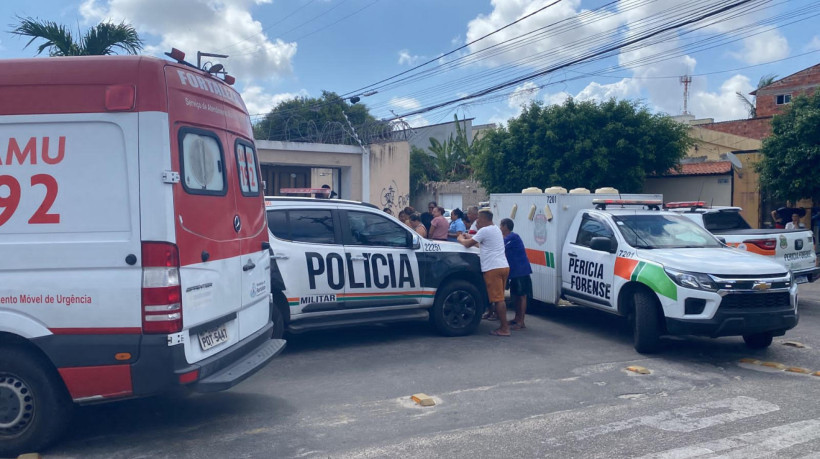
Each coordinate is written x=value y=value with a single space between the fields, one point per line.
x=663 y=232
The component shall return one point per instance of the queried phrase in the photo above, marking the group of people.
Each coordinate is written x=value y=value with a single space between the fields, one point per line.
x=434 y=225
x=505 y=264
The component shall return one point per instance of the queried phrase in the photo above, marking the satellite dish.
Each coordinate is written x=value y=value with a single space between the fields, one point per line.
x=734 y=160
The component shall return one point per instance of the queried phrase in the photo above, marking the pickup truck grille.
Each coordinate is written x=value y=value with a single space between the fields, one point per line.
x=756 y=301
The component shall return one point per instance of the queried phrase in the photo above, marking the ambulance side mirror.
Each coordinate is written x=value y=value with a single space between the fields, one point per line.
x=416 y=244
x=603 y=244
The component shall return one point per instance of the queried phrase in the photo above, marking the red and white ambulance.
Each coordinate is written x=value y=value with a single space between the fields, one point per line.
x=133 y=239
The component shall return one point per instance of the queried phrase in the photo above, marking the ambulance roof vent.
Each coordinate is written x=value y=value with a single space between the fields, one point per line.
x=556 y=190
x=579 y=191
x=531 y=190
x=606 y=190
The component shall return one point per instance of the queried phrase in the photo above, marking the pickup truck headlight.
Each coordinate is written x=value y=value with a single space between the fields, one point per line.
x=699 y=281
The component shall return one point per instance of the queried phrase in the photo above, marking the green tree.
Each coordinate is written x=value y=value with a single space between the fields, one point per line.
x=580 y=144
x=422 y=170
x=791 y=154
x=452 y=156
x=751 y=105
x=103 y=39
x=321 y=119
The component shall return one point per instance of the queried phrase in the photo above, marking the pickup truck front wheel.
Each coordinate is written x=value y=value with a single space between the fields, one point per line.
x=647 y=325
x=457 y=309
x=758 y=340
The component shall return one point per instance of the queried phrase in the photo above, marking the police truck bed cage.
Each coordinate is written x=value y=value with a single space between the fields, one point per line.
x=652 y=204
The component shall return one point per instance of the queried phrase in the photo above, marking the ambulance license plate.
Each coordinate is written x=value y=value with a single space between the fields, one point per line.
x=213 y=337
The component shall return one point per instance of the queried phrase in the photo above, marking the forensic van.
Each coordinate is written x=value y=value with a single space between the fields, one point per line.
x=338 y=263
x=668 y=275
x=133 y=244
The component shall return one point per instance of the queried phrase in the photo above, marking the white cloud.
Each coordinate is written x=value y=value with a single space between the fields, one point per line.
x=724 y=104
x=814 y=44
x=623 y=89
x=260 y=103
x=417 y=121
x=766 y=47
x=405 y=103
x=557 y=98
x=224 y=27
x=523 y=95
x=571 y=42
x=405 y=58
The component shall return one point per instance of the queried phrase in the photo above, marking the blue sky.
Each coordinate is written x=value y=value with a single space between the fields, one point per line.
x=286 y=48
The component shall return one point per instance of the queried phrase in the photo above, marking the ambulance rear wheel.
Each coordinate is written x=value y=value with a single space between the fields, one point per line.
x=647 y=323
x=758 y=340
x=457 y=309
x=34 y=405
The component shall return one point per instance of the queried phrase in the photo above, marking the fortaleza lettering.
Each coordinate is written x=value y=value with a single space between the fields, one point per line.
x=591 y=282
x=380 y=270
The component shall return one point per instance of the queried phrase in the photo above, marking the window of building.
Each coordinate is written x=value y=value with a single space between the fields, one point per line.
x=783 y=99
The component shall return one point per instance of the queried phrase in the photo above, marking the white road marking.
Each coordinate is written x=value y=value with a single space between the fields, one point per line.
x=684 y=419
x=762 y=443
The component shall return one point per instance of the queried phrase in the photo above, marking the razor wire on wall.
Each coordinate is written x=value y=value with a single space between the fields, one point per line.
x=298 y=129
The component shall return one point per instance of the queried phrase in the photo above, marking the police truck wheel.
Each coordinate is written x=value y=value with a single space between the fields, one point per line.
x=647 y=325
x=457 y=309
x=34 y=405
x=758 y=340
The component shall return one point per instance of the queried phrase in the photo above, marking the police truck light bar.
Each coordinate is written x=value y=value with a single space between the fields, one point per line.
x=685 y=204
x=651 y=203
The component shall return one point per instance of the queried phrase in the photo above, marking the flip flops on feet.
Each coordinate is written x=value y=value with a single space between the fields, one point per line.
x=517 y=326
x=496 y=332
x=489 y=316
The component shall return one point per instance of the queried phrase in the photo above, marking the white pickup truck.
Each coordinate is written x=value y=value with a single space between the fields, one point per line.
x=793 y=249
x=621 y=254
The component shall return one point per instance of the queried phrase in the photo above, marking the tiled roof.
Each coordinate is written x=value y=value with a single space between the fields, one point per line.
x=705 y=168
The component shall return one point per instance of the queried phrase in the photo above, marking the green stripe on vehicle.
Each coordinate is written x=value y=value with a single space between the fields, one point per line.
x=637 y=271
x=655 y=278
x=551 y=260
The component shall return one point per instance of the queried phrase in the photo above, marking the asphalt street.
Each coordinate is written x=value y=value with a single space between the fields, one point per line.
x=560 y=388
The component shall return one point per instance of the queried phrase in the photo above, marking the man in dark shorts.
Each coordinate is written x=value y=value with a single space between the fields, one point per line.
x=520 y=270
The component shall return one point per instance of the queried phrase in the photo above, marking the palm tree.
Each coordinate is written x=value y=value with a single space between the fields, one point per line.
x=764 y=81
x=101 y=39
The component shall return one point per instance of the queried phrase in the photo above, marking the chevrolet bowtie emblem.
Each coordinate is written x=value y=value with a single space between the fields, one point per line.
x=762 y=286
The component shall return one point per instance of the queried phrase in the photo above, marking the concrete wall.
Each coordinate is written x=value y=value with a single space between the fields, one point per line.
x=471 y=193
x=421 y=136
x=712 y=145
x=747 y=188
x=390 y=175
x=714 y=189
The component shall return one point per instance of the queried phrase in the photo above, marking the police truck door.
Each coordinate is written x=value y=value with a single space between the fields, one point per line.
x=382 y=270
x=587 y=274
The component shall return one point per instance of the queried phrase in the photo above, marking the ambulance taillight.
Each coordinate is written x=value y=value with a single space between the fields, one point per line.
x=161 y=291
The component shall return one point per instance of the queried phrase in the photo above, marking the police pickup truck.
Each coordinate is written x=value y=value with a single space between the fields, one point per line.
x=337 y=263
x=794 y=249
x=621 y=254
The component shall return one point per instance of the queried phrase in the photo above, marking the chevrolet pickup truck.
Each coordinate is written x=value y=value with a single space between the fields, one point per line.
x=793 y=249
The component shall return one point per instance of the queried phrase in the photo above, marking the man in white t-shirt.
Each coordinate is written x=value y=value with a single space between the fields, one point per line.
x=493 y=264
x=795 y=223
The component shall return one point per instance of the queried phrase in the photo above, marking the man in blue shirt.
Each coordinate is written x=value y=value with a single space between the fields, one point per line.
x=520 y=270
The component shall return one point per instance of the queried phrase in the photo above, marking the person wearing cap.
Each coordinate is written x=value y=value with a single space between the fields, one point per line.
x=494 y=265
